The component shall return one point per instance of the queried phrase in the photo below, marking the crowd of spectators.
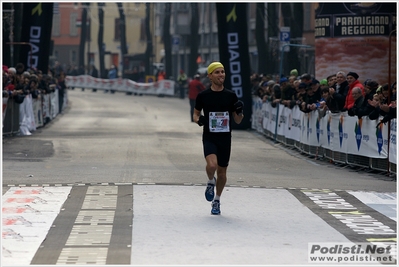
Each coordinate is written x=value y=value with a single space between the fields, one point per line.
x=19 y=82
x=339 y=92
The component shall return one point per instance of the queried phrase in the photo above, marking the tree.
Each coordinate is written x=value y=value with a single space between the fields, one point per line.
x=148 y=51
x=100 y=39
x=261 y=44
x=167 y=41
x=293 y=18
x=83 y=35
x=194 y=40
x=122 y=29
x=7 y=29
x=12 y=25
x=272 y=31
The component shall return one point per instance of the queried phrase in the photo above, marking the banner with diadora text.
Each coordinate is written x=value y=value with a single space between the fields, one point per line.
x=36 y=33
x=234 y=55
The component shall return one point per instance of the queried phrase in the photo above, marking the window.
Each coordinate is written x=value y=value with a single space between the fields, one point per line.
x=72 y=57
x=56 y=29
x=183 y=7
x=306 y=21
x=117 y=31
x=73 y=30
x=142 y=30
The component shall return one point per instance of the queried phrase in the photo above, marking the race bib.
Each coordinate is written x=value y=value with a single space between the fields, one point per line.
x=219 y=122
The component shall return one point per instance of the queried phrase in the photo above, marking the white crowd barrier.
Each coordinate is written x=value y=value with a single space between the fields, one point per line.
x=163 y=87
x=337 y=136
x=25 y=118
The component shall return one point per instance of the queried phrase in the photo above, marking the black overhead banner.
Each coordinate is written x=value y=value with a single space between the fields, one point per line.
x=36 y=30
x=234 y=55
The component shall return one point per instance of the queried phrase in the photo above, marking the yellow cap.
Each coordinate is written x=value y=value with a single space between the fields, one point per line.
x=213 y=66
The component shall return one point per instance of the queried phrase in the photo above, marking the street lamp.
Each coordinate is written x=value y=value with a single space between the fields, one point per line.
x=282 y=54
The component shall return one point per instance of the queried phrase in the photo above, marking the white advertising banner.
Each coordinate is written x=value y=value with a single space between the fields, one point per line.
x=365 y=139
x=273 y=119
x=5 y=101
x=26 y=118
x=338 y=137
x=37 y=111
x=296 y=126
x=305 y=120
x=337 y=132
x=286 y=116
x=257 y=117
x=310 y=135
x=281 y=120
x=322 y=130
x=266 y=112
x=46 y=106
x=392 y=142
x=163 y=87
x=54 y=109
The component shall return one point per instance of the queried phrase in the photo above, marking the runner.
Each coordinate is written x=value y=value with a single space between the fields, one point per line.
x=219 y=106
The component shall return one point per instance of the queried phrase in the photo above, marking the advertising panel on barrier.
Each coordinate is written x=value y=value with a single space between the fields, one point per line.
x=392 y=142
x=365 y=138
x=256 y=107
x=296 y=126
x=26 y=118
x=286 y=121
x=5 y=100
x=266 y=114
x=37 y=111
x=323 y=130
x=309 y=133
x=337 y=132
x=46 y=107
x=54 y=104
x=338 y=136
x=281 y=120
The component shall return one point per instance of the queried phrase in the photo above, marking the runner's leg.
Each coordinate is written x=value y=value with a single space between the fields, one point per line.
x=221 y=180
x=211 y=165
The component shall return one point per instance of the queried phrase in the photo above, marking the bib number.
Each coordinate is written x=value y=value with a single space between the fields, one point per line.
x=219 y=122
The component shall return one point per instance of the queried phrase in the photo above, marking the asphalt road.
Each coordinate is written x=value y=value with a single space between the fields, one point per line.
x=120 y=179
x=119 y=138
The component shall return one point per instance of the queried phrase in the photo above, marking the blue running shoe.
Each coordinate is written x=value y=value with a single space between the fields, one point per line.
x=210 y=191
x=215 y=207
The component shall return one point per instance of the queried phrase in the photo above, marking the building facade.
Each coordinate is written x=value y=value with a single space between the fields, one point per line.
x=66 y=33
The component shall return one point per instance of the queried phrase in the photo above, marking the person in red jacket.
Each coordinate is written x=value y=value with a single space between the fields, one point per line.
x=352 y=78
x=194 y=87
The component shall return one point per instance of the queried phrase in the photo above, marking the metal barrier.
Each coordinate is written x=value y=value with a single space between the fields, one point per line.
x=11 y=119
x=44 y=110
x=348 y=159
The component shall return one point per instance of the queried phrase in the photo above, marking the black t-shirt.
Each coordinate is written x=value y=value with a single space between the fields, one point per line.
x=217 y=108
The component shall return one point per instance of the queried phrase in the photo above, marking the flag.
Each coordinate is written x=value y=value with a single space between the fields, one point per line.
x=234 y=55
x=36 y=30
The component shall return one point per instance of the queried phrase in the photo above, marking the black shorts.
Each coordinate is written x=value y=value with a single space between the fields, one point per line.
x=220 y=145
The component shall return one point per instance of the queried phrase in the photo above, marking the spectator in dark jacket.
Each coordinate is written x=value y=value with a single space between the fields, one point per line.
x=358 y=102
x=310 y=100
x=340 y=87
x=370 y=90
